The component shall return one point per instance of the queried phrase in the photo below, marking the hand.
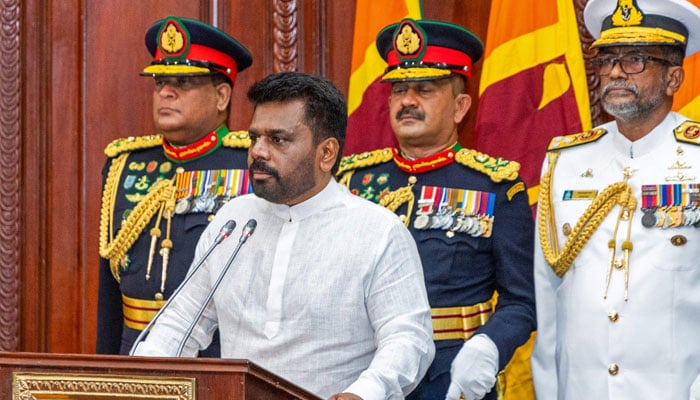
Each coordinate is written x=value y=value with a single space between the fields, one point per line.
x=474 y=369
x=344 y=396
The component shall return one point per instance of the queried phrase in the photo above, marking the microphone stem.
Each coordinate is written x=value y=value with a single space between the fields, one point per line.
x=209 y=297
x=179 y=288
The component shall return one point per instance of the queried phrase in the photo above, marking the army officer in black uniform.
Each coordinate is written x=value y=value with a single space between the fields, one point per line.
x=467 y=211
x=161 y=190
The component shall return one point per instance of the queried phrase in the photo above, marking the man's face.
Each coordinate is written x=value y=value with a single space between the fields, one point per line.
x=424 y=112
x=282 y=158
x=633 y=96
x=185 y=108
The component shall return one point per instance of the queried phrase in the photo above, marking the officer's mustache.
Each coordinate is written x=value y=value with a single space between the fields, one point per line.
x=260 y=166
x=412 y=112
x=620 y=84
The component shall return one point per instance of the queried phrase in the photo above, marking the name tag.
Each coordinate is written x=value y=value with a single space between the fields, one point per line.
x=580 y=194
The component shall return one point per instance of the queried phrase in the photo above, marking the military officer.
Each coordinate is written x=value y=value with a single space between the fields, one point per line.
x=467 y=211
x=617 y=268
x=160 y=191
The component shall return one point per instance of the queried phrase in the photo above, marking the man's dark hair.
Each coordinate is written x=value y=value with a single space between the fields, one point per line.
x=325 y=110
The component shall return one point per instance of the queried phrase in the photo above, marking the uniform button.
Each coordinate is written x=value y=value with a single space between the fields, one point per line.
x=613 y=316
x=210 y=217
x=566 y=229
x=613 y=369
x=679 y=240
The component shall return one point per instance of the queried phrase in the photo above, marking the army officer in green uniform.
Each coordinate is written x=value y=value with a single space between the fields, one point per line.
x=160 y=191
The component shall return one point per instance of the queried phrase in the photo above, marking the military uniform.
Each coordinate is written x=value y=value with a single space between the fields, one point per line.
x=469 y=215
x=158 y=198
x=141 y=178
x=617 y=265
x=622 y=300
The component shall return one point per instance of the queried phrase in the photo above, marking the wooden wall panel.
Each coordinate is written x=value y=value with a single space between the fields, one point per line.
x=70 y=84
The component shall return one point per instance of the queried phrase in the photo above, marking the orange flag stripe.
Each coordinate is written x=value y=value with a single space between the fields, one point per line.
x=370 y=18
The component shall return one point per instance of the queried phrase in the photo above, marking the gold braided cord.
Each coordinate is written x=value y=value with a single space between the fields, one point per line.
x=115 y=250
x=619 y=193
x=394 y=199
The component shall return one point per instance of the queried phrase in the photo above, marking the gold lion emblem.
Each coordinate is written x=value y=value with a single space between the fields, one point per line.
x=408 y=41
x=626 y=14
x=171 y=39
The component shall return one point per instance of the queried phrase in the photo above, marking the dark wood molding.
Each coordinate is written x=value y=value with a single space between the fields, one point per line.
x=285 y=32
x=10 y=173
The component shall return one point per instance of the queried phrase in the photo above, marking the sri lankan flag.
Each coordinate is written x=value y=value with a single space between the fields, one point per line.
x=368 y=106
x=533 y=83
x=687 y=99
x=533 y=87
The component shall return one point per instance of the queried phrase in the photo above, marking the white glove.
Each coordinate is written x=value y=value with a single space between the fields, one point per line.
x=474 y=369
x=695 y=389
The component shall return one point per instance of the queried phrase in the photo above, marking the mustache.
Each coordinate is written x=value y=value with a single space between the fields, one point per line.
x=620 y=84
x=260 y=166
x=413 y=112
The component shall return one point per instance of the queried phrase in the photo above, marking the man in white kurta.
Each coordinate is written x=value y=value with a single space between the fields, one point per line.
x=621 y=318
x=327 y=293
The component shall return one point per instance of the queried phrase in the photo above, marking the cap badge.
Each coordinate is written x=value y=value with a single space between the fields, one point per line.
x=627 y=13
x=409 y=41
x=174 y=39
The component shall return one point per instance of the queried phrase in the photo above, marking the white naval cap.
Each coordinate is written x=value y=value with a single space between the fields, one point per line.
x=644 y=22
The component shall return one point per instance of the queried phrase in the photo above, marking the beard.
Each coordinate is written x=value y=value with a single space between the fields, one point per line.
x=637 y=109
x=283 y=189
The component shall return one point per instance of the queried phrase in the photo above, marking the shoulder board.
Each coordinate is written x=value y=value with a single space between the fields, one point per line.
x=688 y=132
x=236 y=139
x=562 y=142
x=132 y=143
x=497 y=169
x=366 y=159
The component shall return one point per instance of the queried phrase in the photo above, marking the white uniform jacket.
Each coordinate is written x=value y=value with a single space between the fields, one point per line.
x=648 y=346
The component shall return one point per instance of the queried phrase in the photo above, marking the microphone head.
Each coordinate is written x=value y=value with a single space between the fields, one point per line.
x=228 y=227
x=248 y=229
x=225 y=231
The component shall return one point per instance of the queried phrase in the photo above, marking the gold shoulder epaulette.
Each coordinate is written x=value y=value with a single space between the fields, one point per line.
x=131 y=143
x=688 y=132
x=497 y=169
x=562 y=142
x=237 y=139
x=361 y=160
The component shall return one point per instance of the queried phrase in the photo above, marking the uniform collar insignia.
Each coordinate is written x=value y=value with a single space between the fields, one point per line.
x=435 y=161
x=202 y=147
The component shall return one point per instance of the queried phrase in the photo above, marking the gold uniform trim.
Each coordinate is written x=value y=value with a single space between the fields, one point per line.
x=688 y=132
x=400 y=74
x=366 y=159
x=236 y=139
x=162 y=69
x=132 y=143
x=460 y=322
x=138 y=312
x=497 y=169
x=639 y=34
x=115 y=248
x=576 y=139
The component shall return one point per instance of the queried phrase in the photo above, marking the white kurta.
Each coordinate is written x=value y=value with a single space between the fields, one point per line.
x=328 y=294
x=647 y=347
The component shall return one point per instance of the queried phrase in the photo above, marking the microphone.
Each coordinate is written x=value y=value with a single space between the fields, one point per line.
x=248 y=230
x=224 y=232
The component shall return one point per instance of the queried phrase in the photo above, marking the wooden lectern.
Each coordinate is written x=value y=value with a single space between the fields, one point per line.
x=91 y=377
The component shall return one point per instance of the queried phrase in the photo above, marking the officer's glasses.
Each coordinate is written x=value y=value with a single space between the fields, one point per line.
x=630 y=64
